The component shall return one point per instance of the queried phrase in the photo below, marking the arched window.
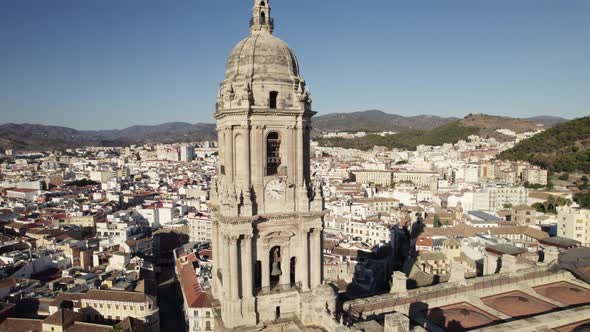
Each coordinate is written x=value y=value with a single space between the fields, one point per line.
x=273 y=153
x=273 y=99
x=262 y=3
x=262 y=18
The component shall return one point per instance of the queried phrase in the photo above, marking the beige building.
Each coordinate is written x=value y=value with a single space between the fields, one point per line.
x=82 y=221
x=417 y=178
x=574 y=223
x=267 y=211
x=378 y=177
x=535 y=175
x=524 y=215
x=112 y=306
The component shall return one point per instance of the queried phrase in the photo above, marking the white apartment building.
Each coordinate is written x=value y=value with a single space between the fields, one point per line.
x=187 y=153
x=116 y=233
x=22 y=194
x=574 y=223
x=200 y=227
x=102 y=176
x=501 y=196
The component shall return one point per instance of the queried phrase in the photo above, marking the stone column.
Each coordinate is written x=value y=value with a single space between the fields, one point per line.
x=235 y=276
x=225 y=267
x=264 y=263
x=316 y=262
x=216 y=261
x=302 y=272
x=300 y=162
x=292 y=148
x=285 y=264
x=243 y=166
x=229 y=153
x=247 y=266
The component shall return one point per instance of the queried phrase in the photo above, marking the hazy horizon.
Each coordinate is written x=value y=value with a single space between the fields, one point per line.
x=102 y=65
x=213 y=121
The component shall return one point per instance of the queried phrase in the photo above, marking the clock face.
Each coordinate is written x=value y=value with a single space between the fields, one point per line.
x=275 y=189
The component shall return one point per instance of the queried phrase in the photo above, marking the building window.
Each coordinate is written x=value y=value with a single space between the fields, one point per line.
x=273 y=153
x=273 y=99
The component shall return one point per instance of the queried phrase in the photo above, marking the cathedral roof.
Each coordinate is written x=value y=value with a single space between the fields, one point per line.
x=262 y=55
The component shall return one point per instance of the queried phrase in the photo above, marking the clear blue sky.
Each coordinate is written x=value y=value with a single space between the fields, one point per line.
x=102 y=64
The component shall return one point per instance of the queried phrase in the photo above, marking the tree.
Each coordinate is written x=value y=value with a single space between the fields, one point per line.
x=564 y=177
x=437 y=223
x=584 y=179
x=508 y=206
x=583 y=199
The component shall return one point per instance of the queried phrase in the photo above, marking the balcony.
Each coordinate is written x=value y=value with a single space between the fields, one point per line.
x=271 y=22
x=276 y=289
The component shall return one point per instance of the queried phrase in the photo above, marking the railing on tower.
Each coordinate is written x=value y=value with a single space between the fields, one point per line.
x=271 y=22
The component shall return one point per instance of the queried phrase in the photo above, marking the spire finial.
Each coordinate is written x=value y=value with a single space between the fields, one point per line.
x=261 y=19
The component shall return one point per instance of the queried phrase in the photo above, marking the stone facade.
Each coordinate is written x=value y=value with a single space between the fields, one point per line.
x=267 y=211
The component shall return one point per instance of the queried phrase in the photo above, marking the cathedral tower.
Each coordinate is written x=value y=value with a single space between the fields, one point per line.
x=267 y=210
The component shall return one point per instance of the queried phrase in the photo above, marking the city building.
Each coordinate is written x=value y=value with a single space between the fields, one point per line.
x=574 y=223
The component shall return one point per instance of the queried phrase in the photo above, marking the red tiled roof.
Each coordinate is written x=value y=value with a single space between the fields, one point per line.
x=194 y=295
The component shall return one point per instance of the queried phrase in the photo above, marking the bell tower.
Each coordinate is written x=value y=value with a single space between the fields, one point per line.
x=261 y=18
x=267 y=210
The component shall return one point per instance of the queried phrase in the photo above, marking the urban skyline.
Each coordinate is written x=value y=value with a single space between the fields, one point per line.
x=101 y=65
x=275 y=219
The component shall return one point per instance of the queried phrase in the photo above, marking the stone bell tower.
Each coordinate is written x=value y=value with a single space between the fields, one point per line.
x=267 y=210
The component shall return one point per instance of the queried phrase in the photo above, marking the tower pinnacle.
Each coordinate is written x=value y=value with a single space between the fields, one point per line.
x=261 y=20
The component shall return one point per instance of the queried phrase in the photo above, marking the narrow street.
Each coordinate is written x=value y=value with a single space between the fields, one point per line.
x=170 y=301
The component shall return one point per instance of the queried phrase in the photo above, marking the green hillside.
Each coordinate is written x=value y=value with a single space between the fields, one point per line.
x=408 y=140
x=563 y=148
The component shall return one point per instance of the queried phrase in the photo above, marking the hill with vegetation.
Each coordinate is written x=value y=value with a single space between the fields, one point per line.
x=375 y=121
x=562 y=148
x=408 y=139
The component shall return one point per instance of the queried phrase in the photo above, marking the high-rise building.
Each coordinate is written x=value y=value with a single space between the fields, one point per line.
x=267 y=216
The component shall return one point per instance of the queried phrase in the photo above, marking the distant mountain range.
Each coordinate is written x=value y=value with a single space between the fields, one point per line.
x=375 y=120
x=41 y=137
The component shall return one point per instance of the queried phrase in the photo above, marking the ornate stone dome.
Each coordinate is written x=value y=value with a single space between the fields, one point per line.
x=262 y=72
x=261 y=56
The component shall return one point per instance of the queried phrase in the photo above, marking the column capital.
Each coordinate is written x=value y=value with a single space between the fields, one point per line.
x=233 y=237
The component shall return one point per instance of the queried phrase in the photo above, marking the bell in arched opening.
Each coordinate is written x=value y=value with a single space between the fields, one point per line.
x=276 y=263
